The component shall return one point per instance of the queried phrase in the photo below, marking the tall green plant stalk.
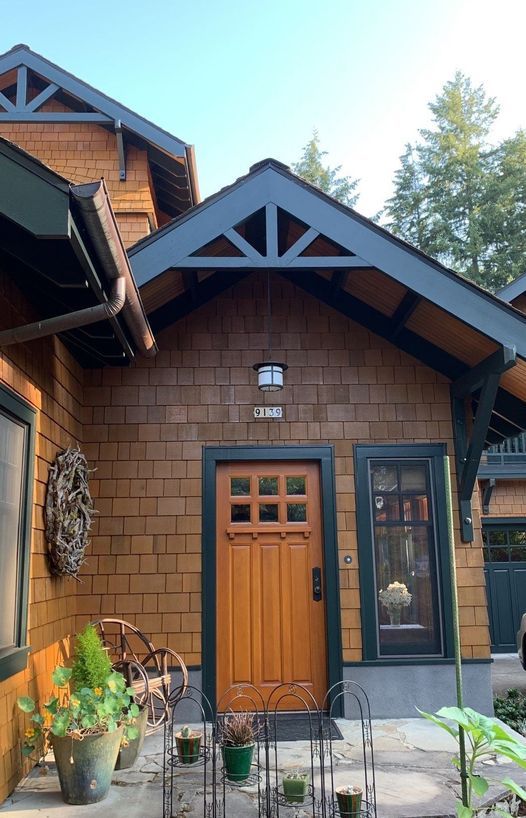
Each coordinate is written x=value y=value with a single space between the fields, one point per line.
x=456 y=631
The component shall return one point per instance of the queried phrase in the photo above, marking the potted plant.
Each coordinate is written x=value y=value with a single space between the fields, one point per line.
x=188 y=745
x=394 y=598
x=238 y=735
x=349 y=801
x=130 y=749
x=86 y=726
x=295 y=787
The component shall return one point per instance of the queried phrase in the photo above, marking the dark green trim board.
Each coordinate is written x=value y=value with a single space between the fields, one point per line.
x=434 y=453
x=415 y=662
x=13 y=660
x=504 y=522
x=324 y=455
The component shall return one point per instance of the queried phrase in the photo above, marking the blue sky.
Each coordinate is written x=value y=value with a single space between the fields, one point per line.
x=244 y=80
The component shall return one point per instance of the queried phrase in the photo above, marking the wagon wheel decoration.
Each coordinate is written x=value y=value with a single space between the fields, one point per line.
x=69 y=512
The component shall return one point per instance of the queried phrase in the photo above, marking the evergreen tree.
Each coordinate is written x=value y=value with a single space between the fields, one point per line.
x=407 y=208
x=504 y=226
x=312 y=168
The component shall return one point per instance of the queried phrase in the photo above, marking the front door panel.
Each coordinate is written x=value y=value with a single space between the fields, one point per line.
x=270 y=579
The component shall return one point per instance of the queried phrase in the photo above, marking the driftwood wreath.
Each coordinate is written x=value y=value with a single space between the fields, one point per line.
x=69 y=512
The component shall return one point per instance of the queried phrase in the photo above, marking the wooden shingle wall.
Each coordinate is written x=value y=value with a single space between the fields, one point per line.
x=146 y=426
x=508 y=499
x=45 y=374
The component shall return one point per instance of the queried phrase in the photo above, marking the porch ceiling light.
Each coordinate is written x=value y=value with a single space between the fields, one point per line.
x=270 y=373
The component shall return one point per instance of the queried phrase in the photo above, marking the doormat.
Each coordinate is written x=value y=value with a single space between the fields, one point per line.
x=297 y=727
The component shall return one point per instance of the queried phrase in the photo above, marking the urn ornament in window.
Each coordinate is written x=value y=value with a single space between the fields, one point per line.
x=69 y=512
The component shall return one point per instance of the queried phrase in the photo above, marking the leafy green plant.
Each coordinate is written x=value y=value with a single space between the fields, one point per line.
x=91 y=663
x=511 y=709
x=86 y=711
x=484 y=737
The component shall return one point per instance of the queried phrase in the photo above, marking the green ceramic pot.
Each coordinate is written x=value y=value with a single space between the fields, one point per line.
x=188 y=748
x=295 y=789
x=237 y=761
x=88 y=779
x=128 y=755
x=350 y=803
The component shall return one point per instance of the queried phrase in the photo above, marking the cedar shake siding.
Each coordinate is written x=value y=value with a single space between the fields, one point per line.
x=145 y=428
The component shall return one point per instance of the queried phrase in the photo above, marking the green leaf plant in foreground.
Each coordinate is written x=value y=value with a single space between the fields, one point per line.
x=84 y=711
x=483 y=737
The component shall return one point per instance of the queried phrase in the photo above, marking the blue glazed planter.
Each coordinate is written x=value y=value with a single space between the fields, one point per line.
x=88 y=779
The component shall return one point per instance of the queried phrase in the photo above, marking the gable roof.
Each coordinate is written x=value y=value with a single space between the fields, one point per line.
x=514 y=289
x=272 y=219
x=30 y=80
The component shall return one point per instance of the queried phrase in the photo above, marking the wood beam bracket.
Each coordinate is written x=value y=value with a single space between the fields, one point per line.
x=486 y=494
x=483 y=378
x=121 y=151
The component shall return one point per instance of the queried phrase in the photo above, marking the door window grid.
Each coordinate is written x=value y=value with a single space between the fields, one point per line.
x=288 y=504
x=504 y=544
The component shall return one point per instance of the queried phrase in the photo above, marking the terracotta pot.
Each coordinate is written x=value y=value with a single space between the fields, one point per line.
x=350 y=803
x=188 y=747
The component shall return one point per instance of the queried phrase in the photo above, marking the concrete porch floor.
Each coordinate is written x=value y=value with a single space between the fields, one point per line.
x=414 y=779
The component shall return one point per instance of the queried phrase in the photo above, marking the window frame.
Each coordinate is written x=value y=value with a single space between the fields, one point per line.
x=13 y=659
x=434 y=453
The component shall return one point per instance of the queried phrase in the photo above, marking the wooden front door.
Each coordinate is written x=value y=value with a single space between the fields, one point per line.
x=270 y=579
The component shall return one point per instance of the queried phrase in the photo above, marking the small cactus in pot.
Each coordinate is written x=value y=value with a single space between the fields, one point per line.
x=188 y=745
x=295 y=786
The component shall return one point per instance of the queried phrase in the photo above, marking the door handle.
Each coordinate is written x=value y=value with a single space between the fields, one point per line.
x=316 y=584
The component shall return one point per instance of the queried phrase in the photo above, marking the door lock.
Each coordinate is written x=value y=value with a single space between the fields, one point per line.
x=316 y=584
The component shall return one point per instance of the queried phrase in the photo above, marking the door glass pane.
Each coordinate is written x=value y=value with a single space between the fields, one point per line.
x=296 y=485
x=12 y=438
x=407 y=590
x=386 y=507
x=497 y=537
x=239 y=486
x=415 y=507
x=240 y=513
x=499 y=554
x=518 y=553
x=268 y=512
x=413 y=477
x=296 y=512
x=517 y=536
x=385 y=478
x=268 y=485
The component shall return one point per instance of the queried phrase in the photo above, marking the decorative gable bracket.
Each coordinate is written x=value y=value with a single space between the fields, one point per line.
x=480 y=385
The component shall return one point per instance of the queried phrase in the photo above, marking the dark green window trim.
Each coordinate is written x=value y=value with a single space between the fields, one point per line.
x=14 y=659
x=433 y=452
x=414 y=662
x=504 y=522
x=324 y=455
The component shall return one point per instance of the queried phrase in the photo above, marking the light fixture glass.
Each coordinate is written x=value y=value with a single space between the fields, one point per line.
x=270 y=373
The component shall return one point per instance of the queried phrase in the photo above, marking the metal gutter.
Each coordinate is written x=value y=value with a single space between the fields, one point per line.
x=99 y=218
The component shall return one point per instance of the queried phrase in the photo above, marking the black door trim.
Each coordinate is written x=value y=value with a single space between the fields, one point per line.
x=324 y=455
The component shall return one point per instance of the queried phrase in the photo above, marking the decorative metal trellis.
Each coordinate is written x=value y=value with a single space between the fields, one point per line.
x=265 y=779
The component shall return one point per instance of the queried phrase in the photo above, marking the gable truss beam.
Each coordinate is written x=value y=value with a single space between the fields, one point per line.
x=485 y=377
x=13 y=115
x=269 y=262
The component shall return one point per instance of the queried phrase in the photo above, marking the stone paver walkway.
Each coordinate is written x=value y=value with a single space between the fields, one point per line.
x=414 y=779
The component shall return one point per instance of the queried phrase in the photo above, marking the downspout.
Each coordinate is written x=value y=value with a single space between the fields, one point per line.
x=72 y=320
x=102 y=229
x=99 y=218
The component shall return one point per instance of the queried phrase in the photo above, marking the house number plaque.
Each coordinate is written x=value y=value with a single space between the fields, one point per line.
x=268 y=411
